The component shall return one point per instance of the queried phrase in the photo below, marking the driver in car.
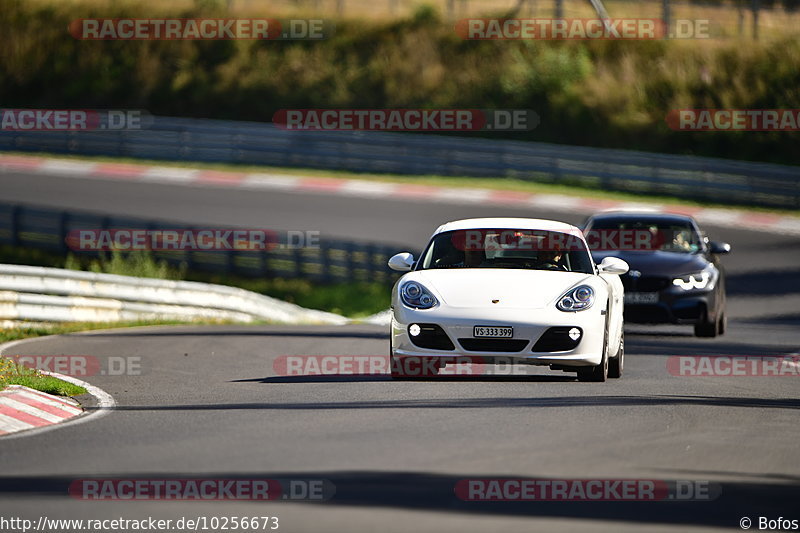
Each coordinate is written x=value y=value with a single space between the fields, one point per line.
x=550 y=260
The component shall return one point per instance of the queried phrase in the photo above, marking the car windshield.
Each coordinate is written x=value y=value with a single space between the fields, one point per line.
x=507 y=248
x=643 y=234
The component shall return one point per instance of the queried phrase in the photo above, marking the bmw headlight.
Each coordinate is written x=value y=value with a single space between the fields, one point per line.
x=577 y=299
x=704 y=279
x=415 y=295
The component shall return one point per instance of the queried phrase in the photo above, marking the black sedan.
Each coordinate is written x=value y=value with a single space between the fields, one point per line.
x=675 y=275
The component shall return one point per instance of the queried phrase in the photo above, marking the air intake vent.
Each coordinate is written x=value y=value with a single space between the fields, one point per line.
x=559 y=339
x=430 y=336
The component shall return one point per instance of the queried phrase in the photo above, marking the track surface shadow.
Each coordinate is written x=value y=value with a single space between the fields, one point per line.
x=490 y=403
x=436 y=492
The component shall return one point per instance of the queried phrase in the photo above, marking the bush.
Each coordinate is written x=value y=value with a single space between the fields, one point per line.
x=609 y=93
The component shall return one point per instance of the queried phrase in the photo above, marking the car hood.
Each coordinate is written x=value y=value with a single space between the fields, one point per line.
x=657 y=262
x=478 y=287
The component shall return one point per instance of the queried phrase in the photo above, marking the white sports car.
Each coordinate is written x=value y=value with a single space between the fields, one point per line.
x=511 y=289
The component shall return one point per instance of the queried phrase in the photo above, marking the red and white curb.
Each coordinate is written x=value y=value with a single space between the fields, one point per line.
x=25 y=412
x=732 y=218
x=23 y=408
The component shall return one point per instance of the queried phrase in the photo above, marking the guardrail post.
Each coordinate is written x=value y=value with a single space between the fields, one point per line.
x=325 y=259
x=230 y=261
x=63 y=223
x=297 y=257
x=371 y=252
x=350 y=270
x=263 y=258
x=188 y=254
x=16 y=215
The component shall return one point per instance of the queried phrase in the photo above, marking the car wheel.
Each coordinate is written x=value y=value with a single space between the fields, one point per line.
x=706 y=329
x=615 y=364
x=722 y=325
x=598 y=373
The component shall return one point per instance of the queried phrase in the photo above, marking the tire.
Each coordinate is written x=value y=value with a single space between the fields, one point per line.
x=722 y=324
x=615 y=364
x=707 y=329
x=598 y=373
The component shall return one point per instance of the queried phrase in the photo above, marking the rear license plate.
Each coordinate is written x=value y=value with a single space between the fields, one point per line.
x=641 y=297
x=493 y=331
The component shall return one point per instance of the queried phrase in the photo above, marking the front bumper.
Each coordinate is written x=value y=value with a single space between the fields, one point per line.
x=529 y=326
x=690 y=307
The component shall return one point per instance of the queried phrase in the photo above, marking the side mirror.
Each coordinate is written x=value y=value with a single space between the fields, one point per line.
x=719 y=247
x=402 y=262
x=613 y=265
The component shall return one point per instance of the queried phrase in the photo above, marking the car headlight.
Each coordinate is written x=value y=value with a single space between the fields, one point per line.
x=577 y=299
x=415 y=295
x=697 y=281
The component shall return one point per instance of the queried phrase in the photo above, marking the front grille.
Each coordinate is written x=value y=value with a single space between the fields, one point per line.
x=645 y=283
x=432 y=337
x=690 y=312
x=557 y=339
x=493 y=345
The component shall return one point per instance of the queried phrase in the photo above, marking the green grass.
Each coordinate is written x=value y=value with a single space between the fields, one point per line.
x=498 y=183
x=137 y=263
x=12 y=373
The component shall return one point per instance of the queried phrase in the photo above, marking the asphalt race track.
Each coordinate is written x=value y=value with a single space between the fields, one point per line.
x=209 y=403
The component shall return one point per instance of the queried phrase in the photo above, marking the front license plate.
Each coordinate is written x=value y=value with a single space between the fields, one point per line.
x=493 y=331
x=641 y=297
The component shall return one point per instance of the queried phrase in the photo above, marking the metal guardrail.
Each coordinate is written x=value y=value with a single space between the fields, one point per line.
x=54 y=295
x=698 y=178
x=331 y=261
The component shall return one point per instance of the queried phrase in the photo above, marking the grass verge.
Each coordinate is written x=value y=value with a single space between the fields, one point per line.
x=41 y=329
x=12 y=373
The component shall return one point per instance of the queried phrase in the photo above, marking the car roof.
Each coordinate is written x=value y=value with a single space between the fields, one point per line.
x=509 y=223
x=648 y=215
